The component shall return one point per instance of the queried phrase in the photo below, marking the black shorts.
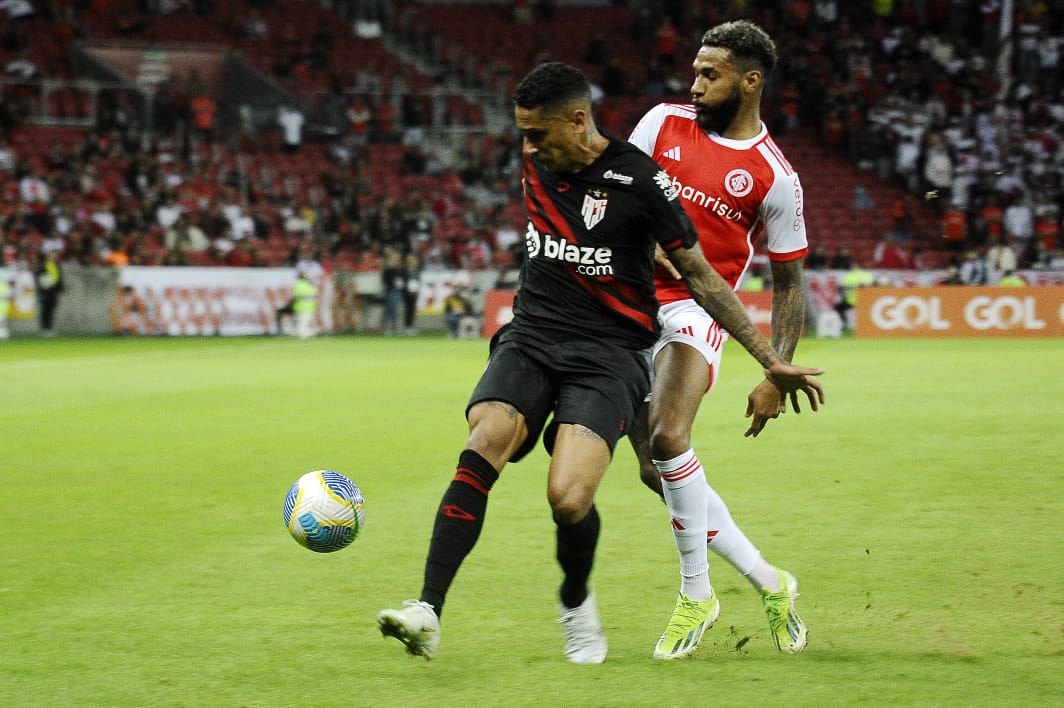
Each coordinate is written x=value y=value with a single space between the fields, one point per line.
x=594 y=385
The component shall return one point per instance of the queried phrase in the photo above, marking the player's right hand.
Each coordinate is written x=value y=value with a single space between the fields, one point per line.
x=764 y=403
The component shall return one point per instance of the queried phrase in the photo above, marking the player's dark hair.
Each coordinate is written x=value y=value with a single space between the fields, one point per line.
x=552 y=85
x=749 y=44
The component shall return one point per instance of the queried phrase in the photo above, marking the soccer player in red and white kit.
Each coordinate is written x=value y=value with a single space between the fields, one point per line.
x=734 y=182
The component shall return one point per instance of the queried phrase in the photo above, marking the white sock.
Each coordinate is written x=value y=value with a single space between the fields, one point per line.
x=729 y=542
x=684 y=483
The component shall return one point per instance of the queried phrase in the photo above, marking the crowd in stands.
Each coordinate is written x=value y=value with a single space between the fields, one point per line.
x=908 y=90
x=916 y=92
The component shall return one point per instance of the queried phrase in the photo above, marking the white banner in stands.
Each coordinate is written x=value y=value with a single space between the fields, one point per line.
x=207 y=301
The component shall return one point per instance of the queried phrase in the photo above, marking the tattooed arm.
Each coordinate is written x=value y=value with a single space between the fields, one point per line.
x=788 y=306
x=717 y=298
x=766 y=402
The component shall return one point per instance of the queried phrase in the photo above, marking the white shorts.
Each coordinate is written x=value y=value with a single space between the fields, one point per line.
x=685 y=322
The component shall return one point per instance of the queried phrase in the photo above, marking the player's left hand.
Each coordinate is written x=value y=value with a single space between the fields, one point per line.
x=764 y=403
x=791 y=379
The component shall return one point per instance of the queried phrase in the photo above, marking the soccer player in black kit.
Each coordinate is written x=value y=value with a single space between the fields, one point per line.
x=584 y=315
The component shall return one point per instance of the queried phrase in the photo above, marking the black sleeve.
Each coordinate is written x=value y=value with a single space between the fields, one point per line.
x=669 y=223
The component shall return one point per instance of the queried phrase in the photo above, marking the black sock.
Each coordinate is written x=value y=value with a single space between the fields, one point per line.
x=576 y=553
x=458 y=524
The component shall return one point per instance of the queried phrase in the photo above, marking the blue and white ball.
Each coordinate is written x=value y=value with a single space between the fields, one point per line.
x=324 y=511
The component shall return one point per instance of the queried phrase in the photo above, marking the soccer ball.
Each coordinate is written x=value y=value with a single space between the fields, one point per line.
x=324 y=511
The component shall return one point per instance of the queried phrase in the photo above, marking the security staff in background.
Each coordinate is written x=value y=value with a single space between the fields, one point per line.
x=303 y=305
x=50 y=286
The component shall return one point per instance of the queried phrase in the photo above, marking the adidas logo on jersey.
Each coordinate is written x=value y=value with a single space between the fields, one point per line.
x=672 y=153
x=589 y=260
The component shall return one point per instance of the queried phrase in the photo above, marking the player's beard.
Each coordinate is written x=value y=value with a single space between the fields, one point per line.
x=719 y=116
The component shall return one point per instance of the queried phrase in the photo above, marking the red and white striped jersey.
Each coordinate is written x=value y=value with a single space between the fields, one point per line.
x=730 y=188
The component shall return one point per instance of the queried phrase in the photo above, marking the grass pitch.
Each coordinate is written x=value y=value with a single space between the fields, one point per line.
x=144 y=560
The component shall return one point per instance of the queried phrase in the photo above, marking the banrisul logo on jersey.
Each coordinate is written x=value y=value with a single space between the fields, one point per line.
x=716 y=205
x=588 y=260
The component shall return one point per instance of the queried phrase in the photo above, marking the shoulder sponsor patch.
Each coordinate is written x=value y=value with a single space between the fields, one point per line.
x=623 y=179
x=663 y=181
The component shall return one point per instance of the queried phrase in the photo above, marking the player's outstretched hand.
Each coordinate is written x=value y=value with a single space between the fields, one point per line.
x=790 y=379
x=764 y=403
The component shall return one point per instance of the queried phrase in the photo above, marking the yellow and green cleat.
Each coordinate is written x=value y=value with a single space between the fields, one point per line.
x=788 y=629
x=689 y=621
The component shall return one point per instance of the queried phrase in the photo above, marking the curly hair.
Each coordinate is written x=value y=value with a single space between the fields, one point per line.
x=550 y=85
x=749 y=44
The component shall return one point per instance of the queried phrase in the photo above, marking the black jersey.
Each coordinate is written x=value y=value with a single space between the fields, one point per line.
x=589 y=246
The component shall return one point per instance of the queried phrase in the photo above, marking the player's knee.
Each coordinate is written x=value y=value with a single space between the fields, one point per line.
x=494 y=433
x=666 y=443
x=568 y=506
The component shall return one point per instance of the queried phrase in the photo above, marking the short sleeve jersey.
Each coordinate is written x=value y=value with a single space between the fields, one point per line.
x=730 y=188
x=589 y=246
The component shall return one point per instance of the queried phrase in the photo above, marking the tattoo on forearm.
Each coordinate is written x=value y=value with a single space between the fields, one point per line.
x=788 y=306
x=717 y=298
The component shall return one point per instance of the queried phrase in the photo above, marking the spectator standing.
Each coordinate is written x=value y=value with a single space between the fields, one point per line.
x=1001 y=257
x=903 y=220
x=291 y=121
x=973 y=270
x=909 y=136
x=665 y=43
x=203 y=109
x=938 y=171
x=954 y=227
x=393 y=287
x=1047 y=226
x=411 y=290
x=1018 y=221
x=991 y=217
x=36 y=196
x=182 y=238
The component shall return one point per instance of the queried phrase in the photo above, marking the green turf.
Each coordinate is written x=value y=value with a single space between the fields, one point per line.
x=144 y=561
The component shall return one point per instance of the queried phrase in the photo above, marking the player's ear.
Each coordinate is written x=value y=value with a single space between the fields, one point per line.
x=752 y=80
x=578 y=120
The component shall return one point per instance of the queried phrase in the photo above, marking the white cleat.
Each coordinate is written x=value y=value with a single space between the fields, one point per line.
x=585 y=642
x=416 y=626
